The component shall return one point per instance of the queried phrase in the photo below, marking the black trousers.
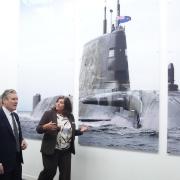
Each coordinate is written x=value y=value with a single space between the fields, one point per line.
x=16 y=173
x=61 y=159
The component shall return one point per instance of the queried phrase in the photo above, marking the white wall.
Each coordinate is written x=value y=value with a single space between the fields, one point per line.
x=105 y=164
x=8 y=43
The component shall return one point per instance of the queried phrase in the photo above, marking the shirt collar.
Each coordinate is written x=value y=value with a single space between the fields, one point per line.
x=6 y=110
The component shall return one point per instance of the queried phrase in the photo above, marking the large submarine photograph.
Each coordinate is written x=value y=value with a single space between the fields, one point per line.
x=119 y=116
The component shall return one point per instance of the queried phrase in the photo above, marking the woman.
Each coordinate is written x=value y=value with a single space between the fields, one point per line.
x=59 y=131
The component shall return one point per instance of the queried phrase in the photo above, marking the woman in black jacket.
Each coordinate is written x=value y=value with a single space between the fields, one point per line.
x=59 y=131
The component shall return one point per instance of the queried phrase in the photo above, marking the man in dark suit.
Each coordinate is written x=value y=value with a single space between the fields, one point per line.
x=11 y=140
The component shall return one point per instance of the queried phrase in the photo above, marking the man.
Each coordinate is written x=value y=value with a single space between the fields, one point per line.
x=11 y=140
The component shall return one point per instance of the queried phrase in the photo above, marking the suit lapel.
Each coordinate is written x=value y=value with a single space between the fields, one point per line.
x=5 y=121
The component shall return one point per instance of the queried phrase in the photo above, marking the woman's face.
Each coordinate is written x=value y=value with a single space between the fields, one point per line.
x=60 y=105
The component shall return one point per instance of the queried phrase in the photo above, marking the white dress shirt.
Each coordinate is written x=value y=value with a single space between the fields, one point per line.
x=9 y=117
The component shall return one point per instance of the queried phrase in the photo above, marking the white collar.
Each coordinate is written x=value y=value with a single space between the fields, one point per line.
x=6 y=110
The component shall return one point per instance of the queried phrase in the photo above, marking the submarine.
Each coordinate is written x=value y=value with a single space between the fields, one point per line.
x=104 y=85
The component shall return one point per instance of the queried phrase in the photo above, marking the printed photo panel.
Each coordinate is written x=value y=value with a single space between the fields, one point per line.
x=119 y=74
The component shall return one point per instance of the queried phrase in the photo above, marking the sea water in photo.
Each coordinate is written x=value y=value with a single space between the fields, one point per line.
x=111 y=127
x=173 y=145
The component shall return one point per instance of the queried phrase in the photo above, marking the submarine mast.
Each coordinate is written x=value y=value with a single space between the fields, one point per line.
x=118 y=12
x=105 y=21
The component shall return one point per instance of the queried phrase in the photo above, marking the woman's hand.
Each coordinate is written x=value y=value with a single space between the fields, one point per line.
x=83 y=128
x=50 y=126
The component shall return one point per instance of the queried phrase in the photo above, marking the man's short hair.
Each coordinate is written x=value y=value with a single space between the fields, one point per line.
x=6 y=93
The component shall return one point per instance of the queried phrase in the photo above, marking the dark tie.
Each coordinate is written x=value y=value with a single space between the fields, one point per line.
x=16 y=133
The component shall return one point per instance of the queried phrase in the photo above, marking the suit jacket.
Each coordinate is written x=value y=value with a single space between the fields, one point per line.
x=8 y=150
x=49 y=138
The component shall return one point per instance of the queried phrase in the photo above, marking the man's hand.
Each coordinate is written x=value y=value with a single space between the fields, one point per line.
x=1 y=169
x=23 y=144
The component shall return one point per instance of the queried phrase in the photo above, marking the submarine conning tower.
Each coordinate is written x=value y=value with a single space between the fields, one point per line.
x=171 y=85
x=117 y=63
x=36 y=100
x=104 y=66
x=116 y=59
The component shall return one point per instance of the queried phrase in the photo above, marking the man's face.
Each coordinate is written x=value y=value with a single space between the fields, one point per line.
x=11 y=102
